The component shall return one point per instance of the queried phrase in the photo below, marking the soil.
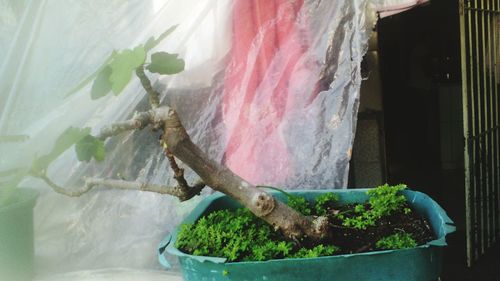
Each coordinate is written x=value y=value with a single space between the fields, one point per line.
x=347 y=240
x=352 y=240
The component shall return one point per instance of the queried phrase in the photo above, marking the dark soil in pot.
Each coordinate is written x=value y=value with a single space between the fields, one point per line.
x=354 y=240
x=385 y=221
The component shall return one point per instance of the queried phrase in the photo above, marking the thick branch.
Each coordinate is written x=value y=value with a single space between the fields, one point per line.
x=293 y=224
x=139 y=121
x=154 y=96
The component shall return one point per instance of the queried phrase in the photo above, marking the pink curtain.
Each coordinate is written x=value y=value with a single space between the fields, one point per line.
x=267 y=46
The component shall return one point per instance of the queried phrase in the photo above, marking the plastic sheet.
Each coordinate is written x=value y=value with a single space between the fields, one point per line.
x=121 y=274
x=275 y=98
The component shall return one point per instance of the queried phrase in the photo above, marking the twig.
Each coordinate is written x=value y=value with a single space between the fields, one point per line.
x=90 y=183
x=154 y=96
x=178 y=172
x=179 y=177
x=64 y=191
x=162 y=189
x=140 y=120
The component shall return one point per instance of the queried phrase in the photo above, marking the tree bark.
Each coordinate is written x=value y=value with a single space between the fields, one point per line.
x=293 y=224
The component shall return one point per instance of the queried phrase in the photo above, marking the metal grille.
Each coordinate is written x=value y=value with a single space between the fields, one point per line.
x=480 y=58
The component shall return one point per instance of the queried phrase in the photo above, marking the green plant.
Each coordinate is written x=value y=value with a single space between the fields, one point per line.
x=111 y=78
x=300 y=204
x=325 y=202
x=386 y=199
x=396 y=241
x=383 y=201
x=239 y=235
x=232 y=234
x=321 y=206
x=315 y=252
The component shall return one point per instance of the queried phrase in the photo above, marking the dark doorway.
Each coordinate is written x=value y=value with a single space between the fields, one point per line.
x=419 y=52
x=421 y=91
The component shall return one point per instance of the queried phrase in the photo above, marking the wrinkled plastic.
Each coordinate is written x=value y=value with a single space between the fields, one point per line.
x=112 y=274
x=416 y=264
x=257 y=106
x=388 y=8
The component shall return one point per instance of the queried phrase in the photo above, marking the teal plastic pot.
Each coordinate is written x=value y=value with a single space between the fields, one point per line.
x=422 y=263
x=16 y=235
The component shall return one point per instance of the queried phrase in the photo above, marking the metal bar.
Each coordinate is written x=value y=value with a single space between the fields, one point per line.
x=464 y=13
x=480 y=50
x=475 y=219
x=489 y=126
x=485 y=115
x=496 y=103
x=478 y=160
x=483 y=107
x=496 y=110
x=494 y=130
x=491 y=189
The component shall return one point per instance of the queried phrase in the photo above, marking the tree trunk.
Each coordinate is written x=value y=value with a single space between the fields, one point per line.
x=293 y=224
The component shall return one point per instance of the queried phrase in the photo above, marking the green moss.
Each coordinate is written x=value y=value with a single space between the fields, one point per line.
x=225 y=233
x=240 y=236
x=300 y=204
x=396 y=241
x=383 y=201
x=315 y=252
x=325 y=202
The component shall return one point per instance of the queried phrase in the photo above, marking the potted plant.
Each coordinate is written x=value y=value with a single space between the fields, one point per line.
x=16 y=224
x=386 y=233
x=271 y=208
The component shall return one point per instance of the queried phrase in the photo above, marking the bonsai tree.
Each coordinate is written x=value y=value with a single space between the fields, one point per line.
x=112 y=77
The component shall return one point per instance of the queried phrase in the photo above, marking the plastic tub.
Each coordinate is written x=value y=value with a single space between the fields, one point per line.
x=422 y=263
x=16 y=235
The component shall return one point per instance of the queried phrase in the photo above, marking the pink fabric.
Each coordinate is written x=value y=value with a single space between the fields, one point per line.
x=265 y=51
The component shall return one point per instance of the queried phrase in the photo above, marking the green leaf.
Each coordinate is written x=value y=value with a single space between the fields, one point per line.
x=87 y=80
x=102 y=85
x=165 y=63
x=151 y=43
x=68 y=138
x=123 y=65
x=90 y=147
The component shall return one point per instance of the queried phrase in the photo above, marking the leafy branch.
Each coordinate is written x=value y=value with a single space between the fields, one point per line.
x=113 y=77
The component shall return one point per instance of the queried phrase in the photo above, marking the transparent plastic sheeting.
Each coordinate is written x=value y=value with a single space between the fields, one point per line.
x=270 y=89
x=113 y=274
